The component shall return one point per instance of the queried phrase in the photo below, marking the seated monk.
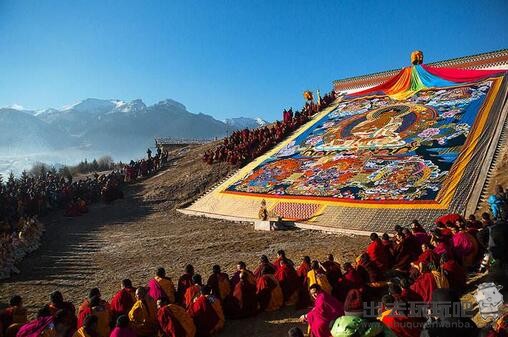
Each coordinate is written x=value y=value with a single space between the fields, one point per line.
x=325 y=311
x=173 y=320
x=425 y=284
x=45 y=325
x=84 y=308
x=454 y=272
x=123 y=300
x=96 y=308
x=351 y=279
x=427 y=256
x=13 y=317
x=269 y=292
x=89 y=328
x=161 y=286
x=216 y=305
x=184 y=282
x=281 y=255
x=368 y=270
x=333 y=271
x=193 y=291
x=57 y=303
x=243 y=302
x=377 y=253
x=241 y=267
x=303 y=293
x=464 y=246
x=264 y=262
x=219 y=282
x=204 y=315
x=122 y=328
x=288 y=280
x=143 y=315
x=402 y=254
x=317 y=275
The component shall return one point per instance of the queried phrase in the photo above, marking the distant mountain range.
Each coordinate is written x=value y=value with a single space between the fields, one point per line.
x=120 y=128
x=95 y=127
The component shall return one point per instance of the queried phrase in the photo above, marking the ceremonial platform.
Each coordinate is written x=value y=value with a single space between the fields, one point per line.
x=394 y=146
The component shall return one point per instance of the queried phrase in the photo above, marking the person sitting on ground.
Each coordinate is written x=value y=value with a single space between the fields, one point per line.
x=122 y=328
x=377 y=253
x=333 y=271
x=219 y=282
x=185 y=282
x=317 y=275
x=351 y=279
x=173 y=320
x=57 y=303
x=84 y=308
x=243 y=302
x=241 y=267
x=98 y=309
x=161 y=286
x=143 y=315
x=264 y=262
x=269 y=292
x=425 y=284
x=193 y=291
x=288 y=280
x=123 y=300
x=89 y=328
x=368 y=270
x=281 y=255
x=15 y=313
x=326 y=310
x=204 y=315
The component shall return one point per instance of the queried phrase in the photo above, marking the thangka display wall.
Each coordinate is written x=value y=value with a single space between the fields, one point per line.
x=421 y=141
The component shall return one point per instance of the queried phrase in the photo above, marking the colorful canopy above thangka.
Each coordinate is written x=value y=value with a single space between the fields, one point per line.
x=423 y=140
x=412 y=79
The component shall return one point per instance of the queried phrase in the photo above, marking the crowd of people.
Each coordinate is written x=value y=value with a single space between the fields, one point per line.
x=391 y=289
x=25 y=199
x=244 y=145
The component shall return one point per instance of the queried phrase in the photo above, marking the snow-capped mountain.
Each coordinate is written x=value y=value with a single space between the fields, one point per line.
x=244 y=123
x=123 y=129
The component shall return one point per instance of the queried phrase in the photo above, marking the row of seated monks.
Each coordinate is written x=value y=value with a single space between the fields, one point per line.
x=406 y=266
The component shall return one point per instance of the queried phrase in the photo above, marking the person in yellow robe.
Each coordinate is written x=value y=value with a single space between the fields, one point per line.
x=143 y=315
x=317 y=275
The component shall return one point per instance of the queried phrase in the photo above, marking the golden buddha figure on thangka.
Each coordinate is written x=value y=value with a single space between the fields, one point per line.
x=385 y=127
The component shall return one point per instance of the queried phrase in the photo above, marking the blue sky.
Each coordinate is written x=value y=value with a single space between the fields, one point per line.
x=224 y=58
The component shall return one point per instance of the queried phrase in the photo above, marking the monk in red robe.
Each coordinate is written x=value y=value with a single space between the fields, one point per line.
x=241 y=267
x=454 y=272
x=185 y=282
x=424 y=285
x=281 y=255
x=219 y=282
x=351 y=279
x=84 y=308
x=193 y=291
x=173 y=320
x=377 y=252
x=269 y=292
x=264 y=262
x=123 y=300
x=57 y=303
x=303 y=293
x=243 y=302
x=204 y=315
x=397 y=320
x=333 y=271
x=15 y=314
x=288 y=280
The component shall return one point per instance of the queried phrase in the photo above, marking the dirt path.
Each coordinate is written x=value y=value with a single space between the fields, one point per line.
x=143 y=231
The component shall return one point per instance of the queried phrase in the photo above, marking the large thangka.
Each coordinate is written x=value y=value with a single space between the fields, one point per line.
x=419 y=145
x=400 y=147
